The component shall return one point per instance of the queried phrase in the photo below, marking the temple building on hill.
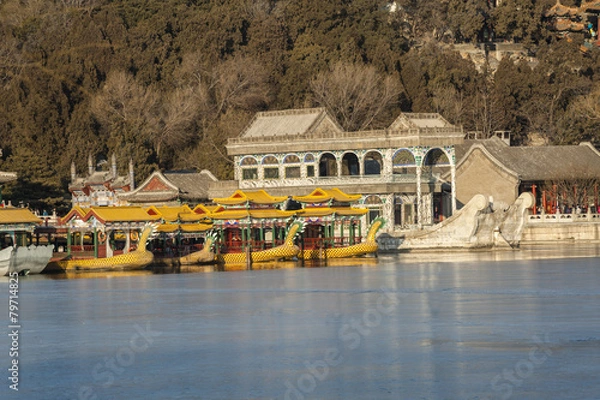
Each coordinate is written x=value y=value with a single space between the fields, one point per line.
x=397 y=170
x=100 y=188
x=171 y=188
x=583 y=19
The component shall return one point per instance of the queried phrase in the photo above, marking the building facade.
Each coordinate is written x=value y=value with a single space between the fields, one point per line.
x=100 y=188
x=396 y=170
x=171 y=188
x=559 y=177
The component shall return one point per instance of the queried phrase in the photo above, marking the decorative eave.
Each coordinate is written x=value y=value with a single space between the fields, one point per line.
x=119 y=214
x=17 y=216
x=142 y=194
x=320 y=196
x=240 y=197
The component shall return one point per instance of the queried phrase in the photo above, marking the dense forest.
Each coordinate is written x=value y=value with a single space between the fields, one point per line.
x=166 y=82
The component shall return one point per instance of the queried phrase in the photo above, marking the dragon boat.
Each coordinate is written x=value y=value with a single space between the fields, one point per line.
x=287 y=250
x=326 y=250
x=139 y=258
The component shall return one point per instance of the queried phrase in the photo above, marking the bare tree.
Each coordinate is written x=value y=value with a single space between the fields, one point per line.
x=579 y=191
x=588 y=106
x=238 y=83
x=176 y=119
x=122 y=100
x=355 y=94
x=449 y=102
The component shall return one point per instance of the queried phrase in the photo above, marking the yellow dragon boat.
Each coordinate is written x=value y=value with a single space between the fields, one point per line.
x=369 y=246
x=287 y=250
x=136 y=259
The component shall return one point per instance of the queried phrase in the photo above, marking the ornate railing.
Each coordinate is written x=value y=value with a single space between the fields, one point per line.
x=566 y=218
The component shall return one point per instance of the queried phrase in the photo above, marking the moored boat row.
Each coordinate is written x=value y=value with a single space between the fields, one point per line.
x=247 y=227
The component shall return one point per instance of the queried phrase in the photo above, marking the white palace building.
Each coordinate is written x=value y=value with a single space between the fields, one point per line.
x=398 y=170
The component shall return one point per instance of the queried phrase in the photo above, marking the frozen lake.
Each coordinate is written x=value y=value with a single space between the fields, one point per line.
x=397 y=327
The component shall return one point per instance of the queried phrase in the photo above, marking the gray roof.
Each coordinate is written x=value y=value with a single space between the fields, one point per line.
x=541 y=163
x=177 y=185
x=192 y=185
x=100 y=178
x=420 y=120
x=285 y=123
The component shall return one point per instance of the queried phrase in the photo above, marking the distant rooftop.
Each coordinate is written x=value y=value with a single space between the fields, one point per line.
x=284 y=122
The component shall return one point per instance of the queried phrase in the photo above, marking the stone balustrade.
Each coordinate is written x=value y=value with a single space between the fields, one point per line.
x=563 y=218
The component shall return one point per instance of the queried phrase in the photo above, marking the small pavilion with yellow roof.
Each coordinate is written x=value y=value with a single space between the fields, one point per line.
x=16 y=226
x=251 y=218
x=103 y=231
x=181 y=231
x=330 y=219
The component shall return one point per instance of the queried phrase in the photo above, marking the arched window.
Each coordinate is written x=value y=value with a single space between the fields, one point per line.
x=373 y=163
x=309 y=160
x=247 y=161
x=403 y=163
x=327 y=165
x=292 y=166
x=249 y=168
x=350 y=165
x=271 y=167
x=435 y=162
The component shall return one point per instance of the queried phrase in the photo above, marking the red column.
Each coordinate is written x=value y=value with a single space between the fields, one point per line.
x=596 y=196
x=534 y=199
x=544 y=201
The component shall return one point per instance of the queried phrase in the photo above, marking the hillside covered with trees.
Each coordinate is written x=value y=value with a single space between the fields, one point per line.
x=166 y=82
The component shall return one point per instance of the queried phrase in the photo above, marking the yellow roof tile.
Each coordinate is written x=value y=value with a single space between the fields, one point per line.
x=170 y=213
x=256 y=197
x=18 y=216
x=324 y=195
x=195 y=227
x=323 y=211
x=269 y=213
x=120 y=214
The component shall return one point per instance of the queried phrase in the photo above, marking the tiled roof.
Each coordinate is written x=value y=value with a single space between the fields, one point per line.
x=17 y=216
x=420 y=120
x=540 y=163
x=170 y=213
x=324 y=195
x=256 y=197
x=286 y=122
x=120 y=214
x=240 y=214
x=174 y=185
x=192 y=185
x=324 y=211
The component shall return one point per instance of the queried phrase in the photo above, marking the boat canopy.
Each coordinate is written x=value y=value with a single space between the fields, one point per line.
x=319 y=196
x=240 y=197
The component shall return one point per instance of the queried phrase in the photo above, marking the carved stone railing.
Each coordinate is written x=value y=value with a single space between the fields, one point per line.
x=422 y=132
x=563 y=218
x=341 y=180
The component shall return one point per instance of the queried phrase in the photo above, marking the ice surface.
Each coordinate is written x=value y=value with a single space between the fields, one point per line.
x=398 y=327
